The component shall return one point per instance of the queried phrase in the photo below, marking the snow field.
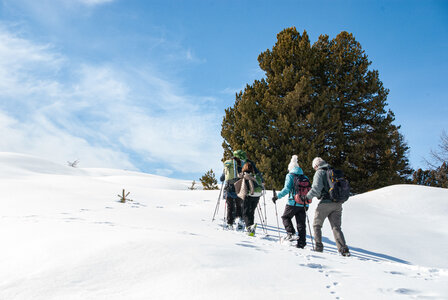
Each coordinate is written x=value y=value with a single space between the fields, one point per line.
x=65 y=236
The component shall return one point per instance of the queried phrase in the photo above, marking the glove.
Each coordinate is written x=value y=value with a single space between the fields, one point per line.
x=305 y=199
x=275 y=198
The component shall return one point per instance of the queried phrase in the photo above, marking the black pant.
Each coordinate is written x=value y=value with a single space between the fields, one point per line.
x=299 y=213
x=234 y=209
x=249 y=207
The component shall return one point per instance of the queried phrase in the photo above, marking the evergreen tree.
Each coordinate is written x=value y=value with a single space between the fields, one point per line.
x=209 y=181
x=436 y=178
x=318 y=100
x=442 y=175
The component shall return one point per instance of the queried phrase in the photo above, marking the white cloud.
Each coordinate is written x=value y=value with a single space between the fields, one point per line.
x=19 y=59
x=231 y=91
x=100 y=83
x=163 y=172
x=102 y=115
x=94 y=2
x=42 y=138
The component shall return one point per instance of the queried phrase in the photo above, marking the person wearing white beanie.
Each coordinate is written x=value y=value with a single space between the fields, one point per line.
x=293 y=163
x=293 y=208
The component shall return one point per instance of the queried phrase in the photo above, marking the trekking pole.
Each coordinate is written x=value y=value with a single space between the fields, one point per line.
x=309 y=227
x=264 y=203
x=260 y=212
x=217 y=204
x=261 y=220
x=276 y=214
x=225 y=213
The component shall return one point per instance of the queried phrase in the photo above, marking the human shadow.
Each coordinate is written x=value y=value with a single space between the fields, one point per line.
x=330 y=246
x=363 y=253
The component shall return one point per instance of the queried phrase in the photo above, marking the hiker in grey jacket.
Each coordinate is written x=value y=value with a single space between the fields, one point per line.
x=326 y=208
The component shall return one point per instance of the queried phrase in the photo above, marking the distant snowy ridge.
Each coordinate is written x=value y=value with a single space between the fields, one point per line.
x=21 y=164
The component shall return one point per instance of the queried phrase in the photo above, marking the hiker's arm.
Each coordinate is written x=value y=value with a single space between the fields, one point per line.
x=317 y=186
x=289 y=182
x=256 y=171
x=223 y=176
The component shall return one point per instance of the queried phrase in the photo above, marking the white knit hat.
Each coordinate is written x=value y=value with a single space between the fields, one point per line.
x=293 y=163
x=317 y=162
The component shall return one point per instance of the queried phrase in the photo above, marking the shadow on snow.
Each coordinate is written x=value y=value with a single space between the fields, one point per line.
x=330 y=246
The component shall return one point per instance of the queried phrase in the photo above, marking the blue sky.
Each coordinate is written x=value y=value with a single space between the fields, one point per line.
x=143 y=85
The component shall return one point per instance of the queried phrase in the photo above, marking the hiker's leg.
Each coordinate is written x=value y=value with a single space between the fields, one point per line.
x=239 y=208
x=301 y=227
x=286 y=218
x=335 y=218
x=230 y=210
x=319 y=218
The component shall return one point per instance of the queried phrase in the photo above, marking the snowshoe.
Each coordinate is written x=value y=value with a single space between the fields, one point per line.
x=229 y=227
x=290 y=237
x=240 y=225
x=251 y=230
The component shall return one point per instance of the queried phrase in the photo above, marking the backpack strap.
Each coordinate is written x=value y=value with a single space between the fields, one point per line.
x=234 y=168
x=294 y=178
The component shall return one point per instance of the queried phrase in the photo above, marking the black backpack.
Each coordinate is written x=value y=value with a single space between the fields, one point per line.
x=339 y=185
x=302 y=186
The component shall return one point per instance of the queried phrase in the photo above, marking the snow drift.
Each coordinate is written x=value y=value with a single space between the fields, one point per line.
x=65 y=235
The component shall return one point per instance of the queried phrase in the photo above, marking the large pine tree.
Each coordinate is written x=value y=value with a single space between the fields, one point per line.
x=318 y=100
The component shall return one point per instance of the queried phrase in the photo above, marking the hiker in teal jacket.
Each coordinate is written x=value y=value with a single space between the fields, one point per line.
x=292 y=208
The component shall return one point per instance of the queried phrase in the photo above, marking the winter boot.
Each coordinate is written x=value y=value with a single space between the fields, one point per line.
x=345 y=252
x=300 y=245
x=319 y=248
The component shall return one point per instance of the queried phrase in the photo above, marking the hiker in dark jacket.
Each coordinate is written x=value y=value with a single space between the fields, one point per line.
x=234 y=204
x=292 y=208
x=326 y=208
x=249 y=188
x=251 y=205
x=241 y=154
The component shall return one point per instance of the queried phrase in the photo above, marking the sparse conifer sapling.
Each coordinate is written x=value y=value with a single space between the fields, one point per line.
x=123 y=197
x=209 y=181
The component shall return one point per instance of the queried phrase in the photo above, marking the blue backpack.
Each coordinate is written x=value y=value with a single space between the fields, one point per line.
x=339 y=185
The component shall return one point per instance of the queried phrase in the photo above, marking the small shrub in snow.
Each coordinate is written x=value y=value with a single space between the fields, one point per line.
x=123 y=197
x=192 y=187
x=73 y=164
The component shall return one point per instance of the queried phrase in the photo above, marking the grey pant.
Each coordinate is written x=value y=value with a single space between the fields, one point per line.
x=332 y=211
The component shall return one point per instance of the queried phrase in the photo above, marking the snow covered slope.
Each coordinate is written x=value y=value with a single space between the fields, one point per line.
x=64 y=235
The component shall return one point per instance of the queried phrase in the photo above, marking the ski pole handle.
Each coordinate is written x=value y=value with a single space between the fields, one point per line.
x=276 y=214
